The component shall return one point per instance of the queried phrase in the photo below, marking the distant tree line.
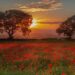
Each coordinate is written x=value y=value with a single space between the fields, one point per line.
x=12 y=20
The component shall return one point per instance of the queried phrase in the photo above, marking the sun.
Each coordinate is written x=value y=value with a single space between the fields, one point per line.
x=34 y=23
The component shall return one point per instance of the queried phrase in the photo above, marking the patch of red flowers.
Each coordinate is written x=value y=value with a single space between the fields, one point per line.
x=63 y=73
x=50 y=65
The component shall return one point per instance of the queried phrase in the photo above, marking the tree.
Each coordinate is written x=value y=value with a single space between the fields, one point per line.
x=14 y=19
x=2 y=16
x=67 y=27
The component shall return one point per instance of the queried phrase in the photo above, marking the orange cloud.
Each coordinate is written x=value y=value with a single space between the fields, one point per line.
x=44 y=5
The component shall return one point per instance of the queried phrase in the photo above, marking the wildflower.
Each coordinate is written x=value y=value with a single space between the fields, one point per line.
x=73 y=61
x=63 y=73
x=50 y=65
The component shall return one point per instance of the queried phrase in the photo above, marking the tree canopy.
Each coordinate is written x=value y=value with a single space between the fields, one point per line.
x=10 y=20
x=67 y=27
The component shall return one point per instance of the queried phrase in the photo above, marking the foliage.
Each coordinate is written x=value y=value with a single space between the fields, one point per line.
x=13 y=20
x=67 y=27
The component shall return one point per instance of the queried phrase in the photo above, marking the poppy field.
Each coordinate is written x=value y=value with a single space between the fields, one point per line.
x=37 y=58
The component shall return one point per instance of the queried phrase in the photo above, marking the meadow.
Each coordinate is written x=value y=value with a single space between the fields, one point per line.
x=37 y=58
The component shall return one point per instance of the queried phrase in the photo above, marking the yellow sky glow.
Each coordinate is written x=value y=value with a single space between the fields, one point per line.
x=34 y=23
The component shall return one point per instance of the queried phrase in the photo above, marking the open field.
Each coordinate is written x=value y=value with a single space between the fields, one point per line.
x=37 y=58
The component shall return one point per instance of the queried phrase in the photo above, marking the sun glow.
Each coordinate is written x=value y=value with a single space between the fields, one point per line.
x=34 y=23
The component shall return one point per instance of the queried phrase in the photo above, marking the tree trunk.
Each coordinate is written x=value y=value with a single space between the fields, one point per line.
x=10 y=36
x=10 y=33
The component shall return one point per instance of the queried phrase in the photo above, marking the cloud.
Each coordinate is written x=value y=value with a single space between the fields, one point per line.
x=43 y=5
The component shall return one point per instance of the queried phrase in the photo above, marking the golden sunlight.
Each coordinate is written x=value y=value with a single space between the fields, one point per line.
x=34 y=23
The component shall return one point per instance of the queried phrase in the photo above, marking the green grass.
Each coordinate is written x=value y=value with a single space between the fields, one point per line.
x=16 y=73
x=56 y=70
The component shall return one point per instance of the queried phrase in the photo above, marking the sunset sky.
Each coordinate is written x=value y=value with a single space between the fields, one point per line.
x=47 y=13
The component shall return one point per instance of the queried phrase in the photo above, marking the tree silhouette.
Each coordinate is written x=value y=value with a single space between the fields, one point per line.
x=67 y=27
x=2 y=16
x=14 y=19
